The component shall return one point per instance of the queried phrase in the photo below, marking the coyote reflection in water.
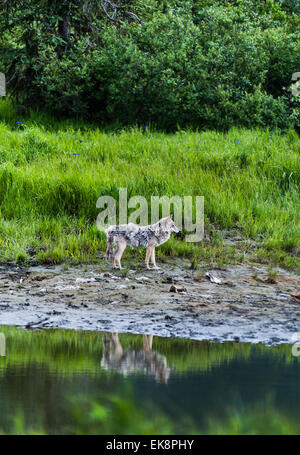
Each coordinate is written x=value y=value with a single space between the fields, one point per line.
x=132 y=360
x=2 y=345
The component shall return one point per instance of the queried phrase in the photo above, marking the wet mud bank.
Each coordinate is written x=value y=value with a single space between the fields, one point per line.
x=240 y=303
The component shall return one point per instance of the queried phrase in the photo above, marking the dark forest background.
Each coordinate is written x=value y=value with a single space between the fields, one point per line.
x=205 y=64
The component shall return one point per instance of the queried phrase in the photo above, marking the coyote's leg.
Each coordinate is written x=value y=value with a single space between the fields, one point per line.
x=153 y=258
x=121 y=247
x=109 y=250
x=118 y=350
x=147 y=342
x=148 y=253
x=150 y=339
x=106 y=345
x=113 y=253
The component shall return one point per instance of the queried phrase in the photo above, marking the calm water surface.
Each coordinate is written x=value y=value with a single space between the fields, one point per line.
x=193 y=385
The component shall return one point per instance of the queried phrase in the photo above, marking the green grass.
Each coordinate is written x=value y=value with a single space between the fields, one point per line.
x=249 y=179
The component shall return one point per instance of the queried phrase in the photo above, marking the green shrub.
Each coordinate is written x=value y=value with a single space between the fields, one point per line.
x=200 y=64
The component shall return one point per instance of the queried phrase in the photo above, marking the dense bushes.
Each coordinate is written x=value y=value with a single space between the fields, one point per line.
x=202 y=64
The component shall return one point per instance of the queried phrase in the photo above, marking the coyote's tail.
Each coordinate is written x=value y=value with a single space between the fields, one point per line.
x=109 y=249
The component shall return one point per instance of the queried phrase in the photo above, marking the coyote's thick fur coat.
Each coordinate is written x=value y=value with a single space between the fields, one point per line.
x=118 y=236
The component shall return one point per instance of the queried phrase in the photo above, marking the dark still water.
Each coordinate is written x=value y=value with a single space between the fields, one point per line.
x=62 y=382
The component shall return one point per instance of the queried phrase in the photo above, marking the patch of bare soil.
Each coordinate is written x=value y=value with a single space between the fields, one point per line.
x=238 y=303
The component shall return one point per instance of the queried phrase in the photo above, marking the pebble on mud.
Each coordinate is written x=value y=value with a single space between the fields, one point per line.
x=268 y=279
x=177 y=288
x=212 y=278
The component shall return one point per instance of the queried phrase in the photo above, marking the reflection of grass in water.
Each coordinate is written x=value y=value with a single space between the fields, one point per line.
x=58 y=350
x=118 y=415
x=186 y=355
x=67 y=351
x=121 y=416
x=260 y=419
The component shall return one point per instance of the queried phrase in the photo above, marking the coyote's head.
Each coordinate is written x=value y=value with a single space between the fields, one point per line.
x=168 y=224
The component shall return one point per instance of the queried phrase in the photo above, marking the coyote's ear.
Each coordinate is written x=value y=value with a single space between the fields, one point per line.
x=171 y=216
x=164 y=221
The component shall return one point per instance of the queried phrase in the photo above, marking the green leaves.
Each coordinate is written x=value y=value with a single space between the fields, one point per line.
x=199 y=64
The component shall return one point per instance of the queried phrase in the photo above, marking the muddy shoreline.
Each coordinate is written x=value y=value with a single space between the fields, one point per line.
x=243 y=304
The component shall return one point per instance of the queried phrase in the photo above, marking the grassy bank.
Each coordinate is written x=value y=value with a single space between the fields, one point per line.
x=52 y=173
x=85 y=348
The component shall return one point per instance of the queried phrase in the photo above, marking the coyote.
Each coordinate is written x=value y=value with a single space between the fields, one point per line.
x=132 y=360
x=135 y=236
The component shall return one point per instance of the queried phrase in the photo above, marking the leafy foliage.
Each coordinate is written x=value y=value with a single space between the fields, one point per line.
x=193 y=63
